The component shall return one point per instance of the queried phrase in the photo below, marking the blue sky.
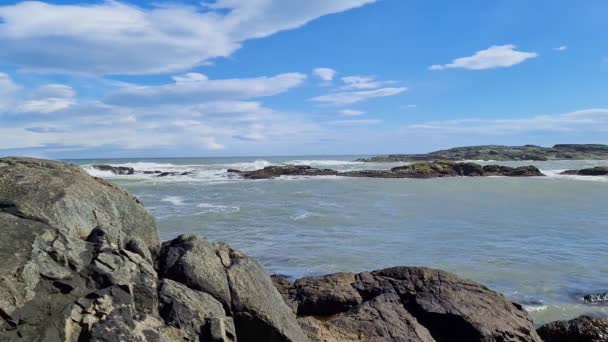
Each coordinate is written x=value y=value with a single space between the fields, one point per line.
x=85 y=79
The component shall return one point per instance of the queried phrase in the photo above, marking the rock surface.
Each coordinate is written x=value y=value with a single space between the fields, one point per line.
x=581 y=329
x=503 y=153
x=596 y=171
x=81 y=261
x=415 y=170
x=596 y=298
x=403 y=304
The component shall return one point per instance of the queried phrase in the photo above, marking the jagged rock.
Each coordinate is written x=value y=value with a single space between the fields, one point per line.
x=415 y=170
x=581 y=329
x=596 y=171
x=503 y=153
x=404 y=303
x=285 y=170
x=117 y=170
x=596 y=298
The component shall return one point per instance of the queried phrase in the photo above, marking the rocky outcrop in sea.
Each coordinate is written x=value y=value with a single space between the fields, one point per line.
x=596 y=171
x=504 y=153
x=416 y=170
x=82 y=261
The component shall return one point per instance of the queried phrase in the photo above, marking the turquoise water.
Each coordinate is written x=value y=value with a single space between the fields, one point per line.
x=541 y=241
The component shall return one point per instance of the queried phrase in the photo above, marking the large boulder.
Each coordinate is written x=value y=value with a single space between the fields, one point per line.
x=581 y=329
x=81 y=261
x=65 y=197
x=403 y=304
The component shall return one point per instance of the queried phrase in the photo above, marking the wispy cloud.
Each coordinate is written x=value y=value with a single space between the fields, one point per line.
x=195 y=88
x=325 y=74
x=589 y=120
x=116 y=38
x=502 y=56
x=355 y=122
x=561 y=48
x=350 y=97
x=351 y=112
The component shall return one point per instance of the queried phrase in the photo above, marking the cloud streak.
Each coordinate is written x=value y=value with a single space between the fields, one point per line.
x=497 y=56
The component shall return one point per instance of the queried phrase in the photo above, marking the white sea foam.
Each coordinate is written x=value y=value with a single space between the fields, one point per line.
x=323 y=162
x=215 y=208
x=557 y=174
x=535 y=308
x=175 y=200
x=248 y=166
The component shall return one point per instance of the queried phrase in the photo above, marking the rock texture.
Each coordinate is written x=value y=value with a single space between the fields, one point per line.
x=596 y=298
x=81 y=261
x=581 y=329
x=403 y=304
x=415 y=170
x=596 y=171
x=503 y=153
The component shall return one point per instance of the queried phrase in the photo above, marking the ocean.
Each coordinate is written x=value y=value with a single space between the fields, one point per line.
x=541 y=241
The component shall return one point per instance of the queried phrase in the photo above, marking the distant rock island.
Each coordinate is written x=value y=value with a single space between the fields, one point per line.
x=503 y=153
x=416 y=170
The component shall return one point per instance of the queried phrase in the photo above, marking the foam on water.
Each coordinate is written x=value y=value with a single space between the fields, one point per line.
x=215 y=208
x=175 y=200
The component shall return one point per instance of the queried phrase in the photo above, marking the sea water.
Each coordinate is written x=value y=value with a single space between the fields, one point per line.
x=542 y=241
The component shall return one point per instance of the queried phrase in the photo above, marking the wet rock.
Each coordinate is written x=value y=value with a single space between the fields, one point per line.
x=286 y=170
x=404 y=303
x=415 y=170
x=596 y=171
x=174 y=173
x=117 y=170
x=596 y=298
x=581 y=329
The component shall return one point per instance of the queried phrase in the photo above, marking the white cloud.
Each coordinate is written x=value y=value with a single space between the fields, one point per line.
x=363 y=122
x=350 y=97
x=351 y=112
x=502 y=56
x=363 y=82
x=325 y=74
x=589 y=120
x=116 y=38
x=49 y=98
x=561 y=48
x=8 y=91
x=196 y=88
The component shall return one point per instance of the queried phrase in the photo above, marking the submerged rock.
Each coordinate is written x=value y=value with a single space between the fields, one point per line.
x=415 y=170
x=581 y=329
x=117 y=170
x=596 y=171
x=596 y=298
x=403 y=304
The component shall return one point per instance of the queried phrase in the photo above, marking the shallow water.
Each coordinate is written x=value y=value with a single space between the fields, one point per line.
x=541 y=241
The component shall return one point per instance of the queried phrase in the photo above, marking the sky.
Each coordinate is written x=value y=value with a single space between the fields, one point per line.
x=134 y=78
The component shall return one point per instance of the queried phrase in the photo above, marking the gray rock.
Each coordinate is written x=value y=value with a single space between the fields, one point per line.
x=65 y=197
x=596 y=298
x=405 y=303
x=581 y=329
x=193 y=261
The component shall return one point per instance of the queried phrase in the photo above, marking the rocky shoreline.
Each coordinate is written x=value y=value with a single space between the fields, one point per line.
x=82 y=261
x=126 y=171
x=503 y=153
x=416 y=170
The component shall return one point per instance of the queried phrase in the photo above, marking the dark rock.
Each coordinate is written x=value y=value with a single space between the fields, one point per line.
x=502 y=153
x=117 y=170
x=581 y=329
x=404 y=303
x=174 y=173
x=286 y=170
x=596 y=298
x=415 y=170
x=596 y=171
